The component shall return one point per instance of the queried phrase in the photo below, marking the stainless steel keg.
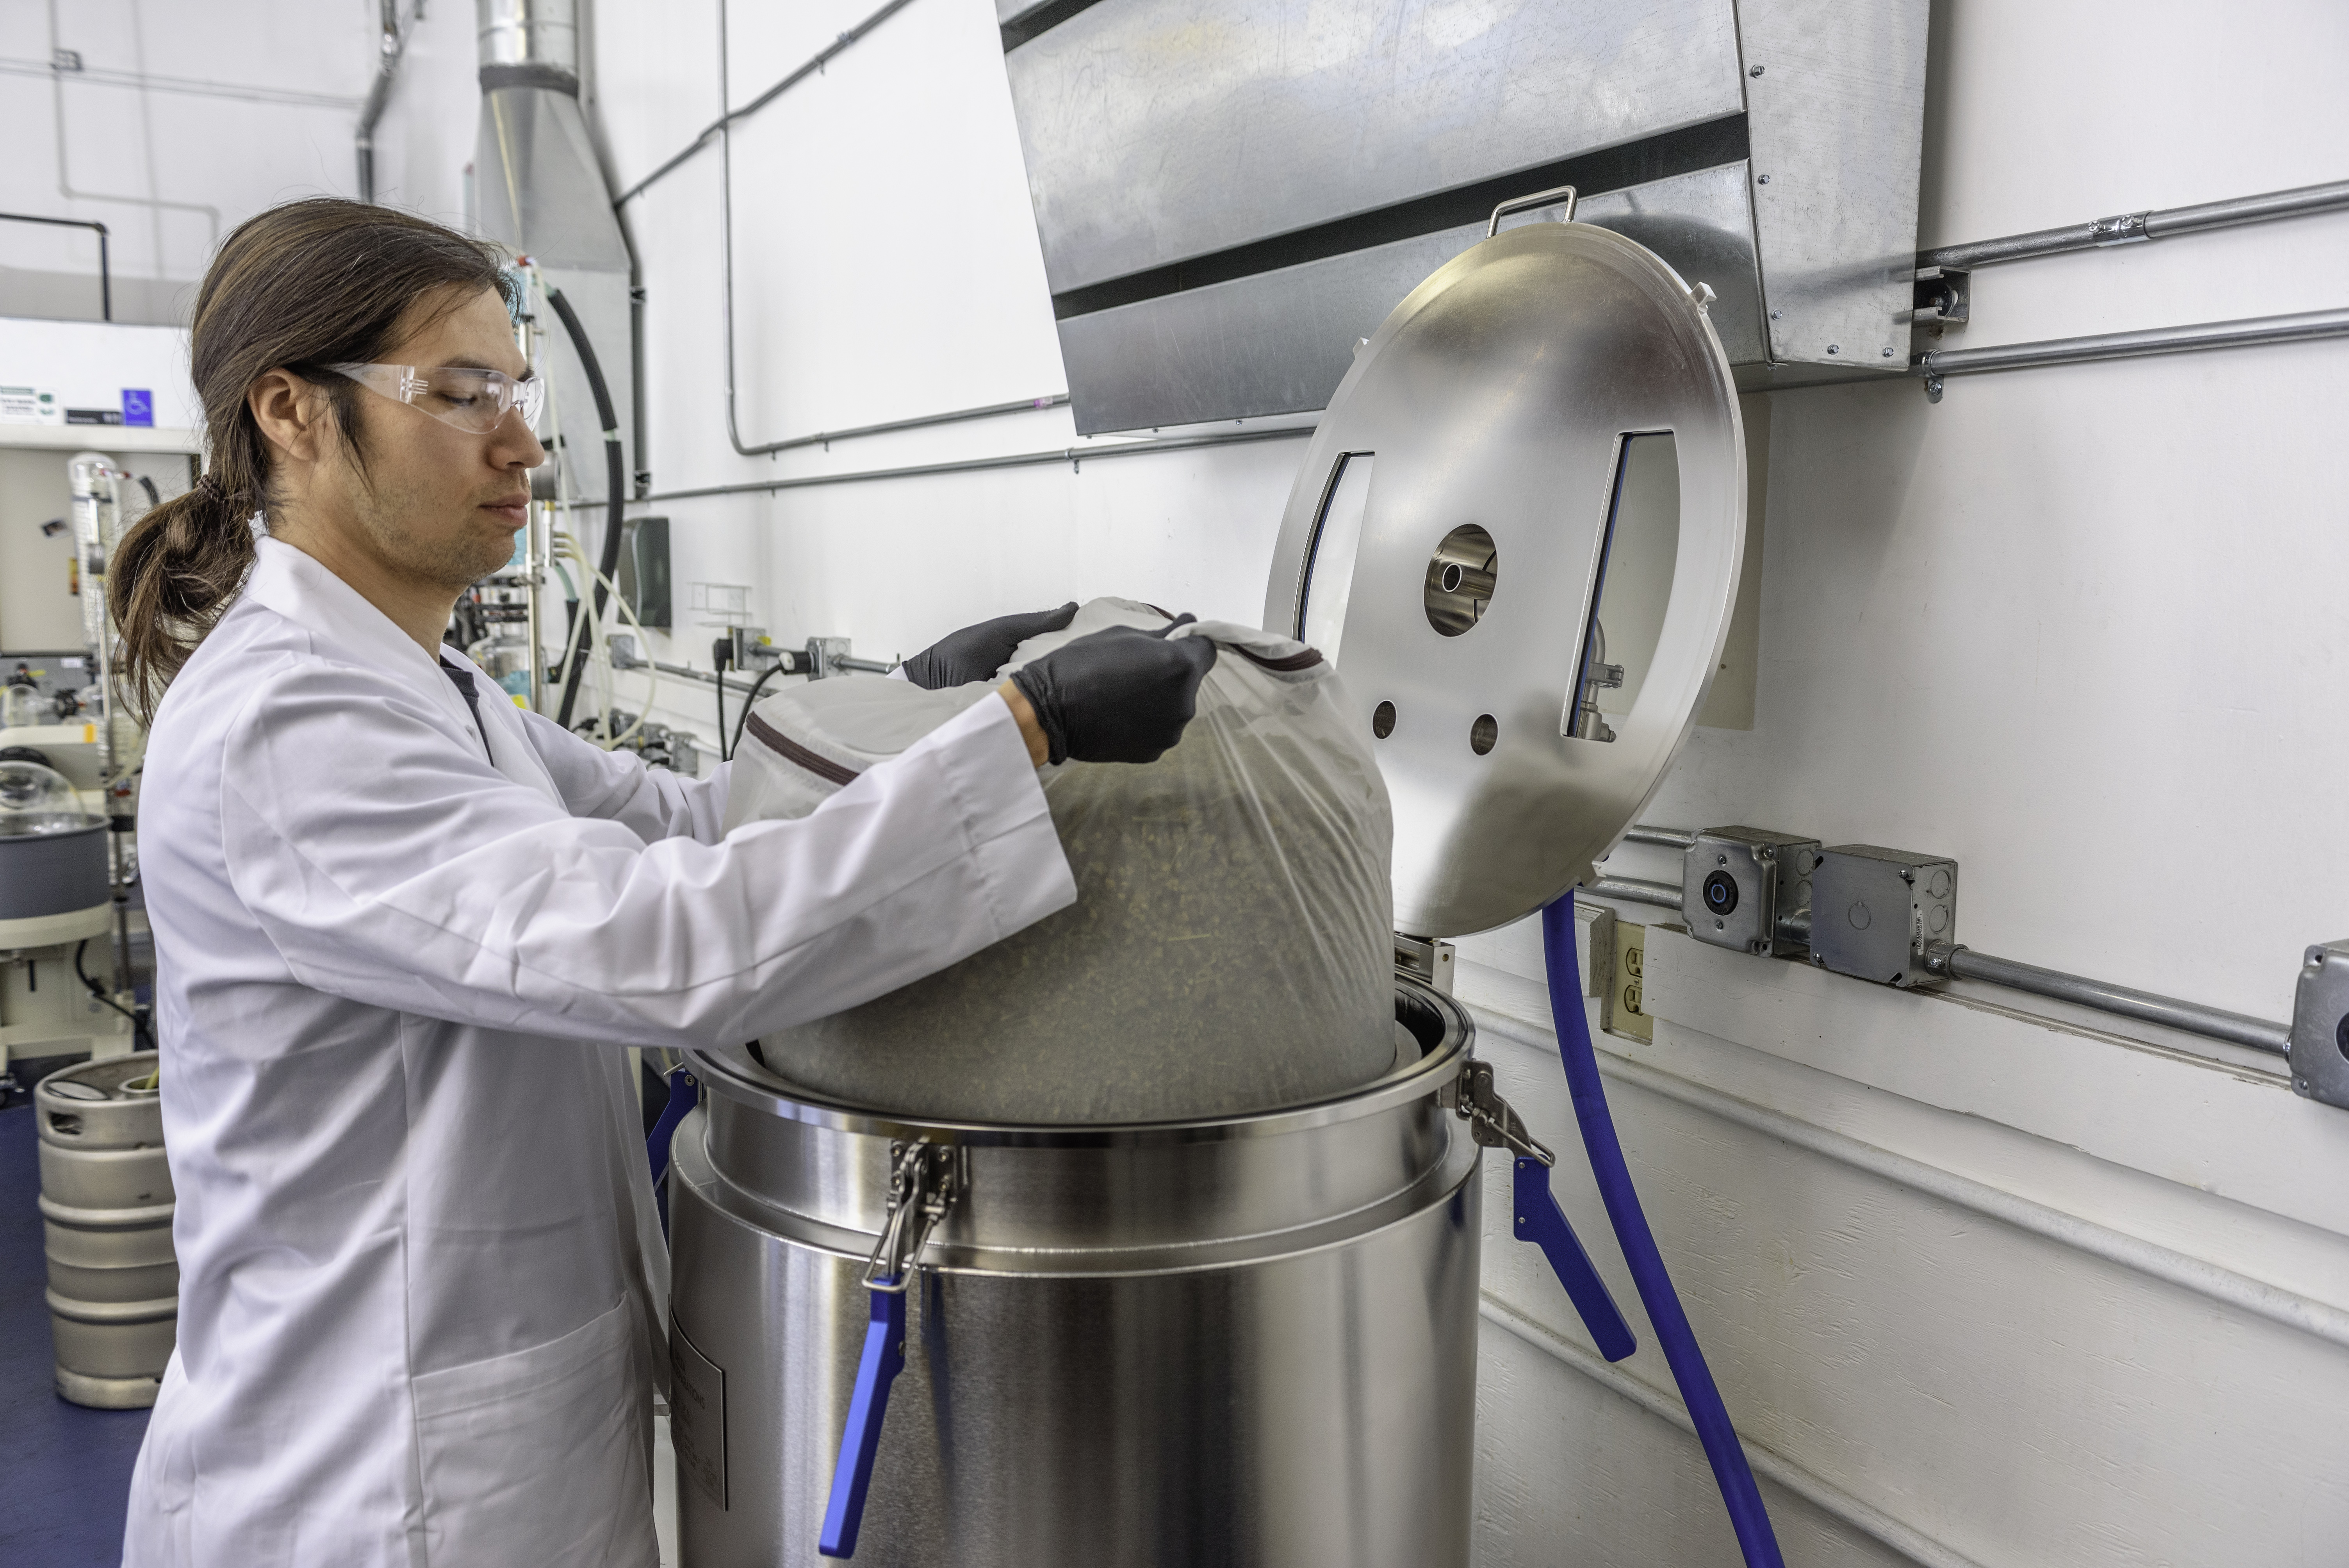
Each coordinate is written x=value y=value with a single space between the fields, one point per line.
x=105 y=1217
x=1250 y=1340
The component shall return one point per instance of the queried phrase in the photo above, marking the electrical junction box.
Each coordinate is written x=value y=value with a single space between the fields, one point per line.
x=1873 y=911
x=1736 y=883
x=2320 y=1026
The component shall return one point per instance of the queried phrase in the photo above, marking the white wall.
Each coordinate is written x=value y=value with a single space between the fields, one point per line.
x=1984 y=1284
x=186 y=119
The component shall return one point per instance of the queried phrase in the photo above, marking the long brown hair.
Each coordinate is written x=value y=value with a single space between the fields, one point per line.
x=299 y=287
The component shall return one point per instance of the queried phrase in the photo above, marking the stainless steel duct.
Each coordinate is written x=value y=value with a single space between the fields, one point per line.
x=1230 y=193
x=542 y=194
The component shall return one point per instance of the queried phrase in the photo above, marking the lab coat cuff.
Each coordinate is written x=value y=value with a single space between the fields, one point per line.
x=985 y=762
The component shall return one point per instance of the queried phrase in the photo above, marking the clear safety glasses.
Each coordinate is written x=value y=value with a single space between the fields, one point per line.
x=470 y=399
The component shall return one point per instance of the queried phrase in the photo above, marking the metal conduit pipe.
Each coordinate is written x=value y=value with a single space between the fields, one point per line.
x=2128 y=228
x=105 y=270
x=392 y=47
x=688 y=672
x=1956 y=961
x=723 y=128
x=1935 y=363
x=727 y=116
x=1073 y=456
x=1959 y=962
x=1636 y=890
x=919 y=421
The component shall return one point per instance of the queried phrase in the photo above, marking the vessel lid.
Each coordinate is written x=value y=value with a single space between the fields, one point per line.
x=1532 y=480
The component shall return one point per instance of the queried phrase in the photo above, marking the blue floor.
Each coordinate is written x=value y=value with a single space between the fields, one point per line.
x=64 y=1471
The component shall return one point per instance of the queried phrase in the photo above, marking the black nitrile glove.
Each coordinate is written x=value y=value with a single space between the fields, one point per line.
x=1118 y=696
x=975 y=653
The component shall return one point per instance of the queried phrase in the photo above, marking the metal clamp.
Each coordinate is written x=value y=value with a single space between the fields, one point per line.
x=1491 y=1121
x=1564 y=193
x=924 y=1181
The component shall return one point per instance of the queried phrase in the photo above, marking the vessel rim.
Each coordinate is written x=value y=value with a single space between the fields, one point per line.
x=1438 y=1065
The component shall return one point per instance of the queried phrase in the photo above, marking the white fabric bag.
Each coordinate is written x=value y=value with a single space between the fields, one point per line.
x=1231 y=946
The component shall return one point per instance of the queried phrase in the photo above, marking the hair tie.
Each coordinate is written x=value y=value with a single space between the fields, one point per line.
x=212 y=489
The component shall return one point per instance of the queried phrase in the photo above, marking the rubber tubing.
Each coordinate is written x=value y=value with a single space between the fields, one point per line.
x=615 y=496
x=1711 y=1417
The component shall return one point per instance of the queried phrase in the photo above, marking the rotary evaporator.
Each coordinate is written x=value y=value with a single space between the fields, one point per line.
x=1252 y=1339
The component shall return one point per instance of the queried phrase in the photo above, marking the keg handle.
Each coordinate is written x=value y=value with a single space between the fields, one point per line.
x=1563 y=195
x=1494 y=1123
x=924 y=1181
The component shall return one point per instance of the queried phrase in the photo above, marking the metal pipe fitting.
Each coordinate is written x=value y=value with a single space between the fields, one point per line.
x=1664 y=837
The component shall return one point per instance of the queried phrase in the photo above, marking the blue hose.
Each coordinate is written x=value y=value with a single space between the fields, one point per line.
x=1710 y=1415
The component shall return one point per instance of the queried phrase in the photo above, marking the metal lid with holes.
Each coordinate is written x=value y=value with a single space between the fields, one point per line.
x=1518 y=531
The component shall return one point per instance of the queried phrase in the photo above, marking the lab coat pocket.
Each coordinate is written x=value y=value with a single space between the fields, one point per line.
x=538 y=1458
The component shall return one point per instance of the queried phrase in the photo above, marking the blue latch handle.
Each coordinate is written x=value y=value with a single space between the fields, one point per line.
x=852 y=1475
x=684 y=1094
x=1543 y=1223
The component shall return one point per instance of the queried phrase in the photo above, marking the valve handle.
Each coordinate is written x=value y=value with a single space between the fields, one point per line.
x=852 y=1474
x=1539 y=1220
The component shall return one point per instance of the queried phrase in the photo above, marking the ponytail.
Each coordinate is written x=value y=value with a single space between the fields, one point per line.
x=173 y=573
x=300 y=287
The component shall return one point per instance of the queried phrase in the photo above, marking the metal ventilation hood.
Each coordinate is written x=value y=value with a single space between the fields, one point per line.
x=1232 y=193
x=541 y=193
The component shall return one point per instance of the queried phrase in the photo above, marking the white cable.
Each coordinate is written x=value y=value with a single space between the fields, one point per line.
x=569 y=547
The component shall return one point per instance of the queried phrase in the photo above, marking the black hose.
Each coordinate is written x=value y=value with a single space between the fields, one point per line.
x=138 y=1022
x=770 y=673
x=615 y=496
x=719 y=656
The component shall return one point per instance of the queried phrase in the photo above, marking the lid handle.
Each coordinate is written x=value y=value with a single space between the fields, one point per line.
x=1564 y=193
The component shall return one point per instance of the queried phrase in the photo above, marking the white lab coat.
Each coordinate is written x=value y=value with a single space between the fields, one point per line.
x=422 y=1285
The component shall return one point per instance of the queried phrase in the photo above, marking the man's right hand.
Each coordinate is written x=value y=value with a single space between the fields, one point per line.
x=1123 y=695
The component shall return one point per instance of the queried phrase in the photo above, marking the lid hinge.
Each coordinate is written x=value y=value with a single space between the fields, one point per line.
x=1425 y=960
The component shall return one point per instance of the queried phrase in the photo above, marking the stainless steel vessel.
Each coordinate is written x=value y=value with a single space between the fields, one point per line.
x=1239 y=1341
x=1518 y=531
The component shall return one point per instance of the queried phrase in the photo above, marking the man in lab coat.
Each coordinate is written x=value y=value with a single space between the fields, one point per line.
x=402 y=927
